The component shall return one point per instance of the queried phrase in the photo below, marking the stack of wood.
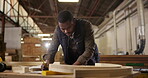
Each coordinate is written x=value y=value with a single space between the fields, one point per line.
x=12 y=55
x=30 y=51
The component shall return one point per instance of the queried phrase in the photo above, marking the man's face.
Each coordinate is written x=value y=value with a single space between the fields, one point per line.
x=67 y=27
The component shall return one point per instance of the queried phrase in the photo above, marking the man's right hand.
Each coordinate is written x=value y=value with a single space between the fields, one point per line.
x=44 y=66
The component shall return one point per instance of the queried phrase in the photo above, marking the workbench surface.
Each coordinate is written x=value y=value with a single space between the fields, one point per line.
x=8 y=74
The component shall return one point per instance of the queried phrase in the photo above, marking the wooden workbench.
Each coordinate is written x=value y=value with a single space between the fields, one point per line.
x=9 y=74
x=102 y=70
x=17 y=75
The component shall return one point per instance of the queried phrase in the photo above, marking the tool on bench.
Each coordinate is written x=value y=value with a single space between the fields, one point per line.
x=45 y=73
x=3 y=66
x=44 y=65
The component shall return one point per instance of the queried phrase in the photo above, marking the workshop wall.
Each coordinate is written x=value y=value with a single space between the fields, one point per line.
x=13 y=36
x=106 y=41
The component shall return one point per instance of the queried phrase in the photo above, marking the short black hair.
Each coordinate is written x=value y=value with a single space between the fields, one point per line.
x=65 y=16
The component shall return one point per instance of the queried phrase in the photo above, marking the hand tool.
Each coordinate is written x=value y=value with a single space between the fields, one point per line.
x=3 y=66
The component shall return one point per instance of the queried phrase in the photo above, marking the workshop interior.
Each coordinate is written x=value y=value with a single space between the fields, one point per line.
x=120 y=33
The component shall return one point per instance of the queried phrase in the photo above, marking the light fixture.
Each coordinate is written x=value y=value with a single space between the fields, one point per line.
x=22 y=42
x=46 y=39
x=68 y=0
x=37 y=45
x=47 y=45
x=43 y=34
x=22 y=39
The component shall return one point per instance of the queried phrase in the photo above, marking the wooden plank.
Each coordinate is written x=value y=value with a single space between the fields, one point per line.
x=103 y=73
x=103 y=70
x=124 y=56
x=20 y=69
x=100 y=70
x=85 y=74
x=23 y=63
x=123 y=59
x=124 y=62
x=17 y=75
x=71 y=68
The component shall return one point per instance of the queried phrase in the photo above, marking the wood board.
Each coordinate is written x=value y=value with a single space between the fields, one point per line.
x=103 y=73
x=23 y=63
x=124 y=59
x=20 y=69
x=102 y=70
x=17 y=75
x=71 y=68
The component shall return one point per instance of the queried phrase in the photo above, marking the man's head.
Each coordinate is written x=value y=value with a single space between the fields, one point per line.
x=66 y=22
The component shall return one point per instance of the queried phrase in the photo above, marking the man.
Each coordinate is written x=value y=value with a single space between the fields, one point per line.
x=77 y=41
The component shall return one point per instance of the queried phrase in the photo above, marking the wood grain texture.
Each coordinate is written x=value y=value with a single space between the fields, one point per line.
x=103 y=73
x=71 y=68
x=100 y=70
x=17 y=75
x=23 y=63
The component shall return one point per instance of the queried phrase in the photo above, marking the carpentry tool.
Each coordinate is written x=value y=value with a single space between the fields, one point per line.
x=3 y=66
x=45 y=73
x=44 y=65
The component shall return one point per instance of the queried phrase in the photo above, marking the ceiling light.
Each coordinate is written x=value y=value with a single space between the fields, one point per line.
x=37 y=45
x=68 y=0
x=22 y=39
x=43 y=34
x=46 y=38
x=22 y=42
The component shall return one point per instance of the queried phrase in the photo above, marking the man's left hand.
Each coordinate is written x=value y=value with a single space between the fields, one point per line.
x=77 y=63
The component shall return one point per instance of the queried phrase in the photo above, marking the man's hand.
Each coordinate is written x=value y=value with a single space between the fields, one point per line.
x=77 y=63
x=44 y=66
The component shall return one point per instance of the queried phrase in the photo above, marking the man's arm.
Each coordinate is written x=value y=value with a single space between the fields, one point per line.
x=89 y=45
x=52 y=50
